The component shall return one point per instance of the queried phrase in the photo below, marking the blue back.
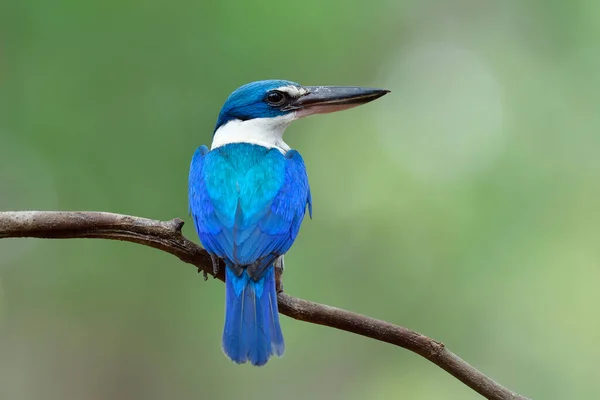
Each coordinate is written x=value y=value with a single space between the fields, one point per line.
x=248 y=201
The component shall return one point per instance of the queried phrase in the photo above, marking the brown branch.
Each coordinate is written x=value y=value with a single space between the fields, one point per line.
x=167 y=236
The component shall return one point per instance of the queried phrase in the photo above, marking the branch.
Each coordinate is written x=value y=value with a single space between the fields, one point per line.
x=167 y=236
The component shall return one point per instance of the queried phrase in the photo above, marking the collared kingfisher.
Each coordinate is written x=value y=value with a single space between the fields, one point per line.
x=248 y=195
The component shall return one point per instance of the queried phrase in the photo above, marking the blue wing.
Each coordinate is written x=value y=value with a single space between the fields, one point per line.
x=248 y=209
x=209 y=224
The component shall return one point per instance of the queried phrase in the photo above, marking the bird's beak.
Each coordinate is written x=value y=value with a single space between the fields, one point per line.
x=327 y=99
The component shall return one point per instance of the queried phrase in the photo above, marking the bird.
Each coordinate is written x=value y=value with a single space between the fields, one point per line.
x=248 y=195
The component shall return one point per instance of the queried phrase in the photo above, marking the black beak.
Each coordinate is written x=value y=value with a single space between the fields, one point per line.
x=325 y=99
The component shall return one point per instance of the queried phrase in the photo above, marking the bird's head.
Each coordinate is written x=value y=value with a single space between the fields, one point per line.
x=259 y=112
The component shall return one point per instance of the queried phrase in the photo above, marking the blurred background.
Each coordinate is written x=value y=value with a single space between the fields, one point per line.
x=464 y=205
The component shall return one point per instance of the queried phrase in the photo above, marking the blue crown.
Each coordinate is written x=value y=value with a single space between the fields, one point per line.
x=250 y=101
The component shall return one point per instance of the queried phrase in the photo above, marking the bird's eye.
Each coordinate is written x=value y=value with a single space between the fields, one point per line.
x=275 y=98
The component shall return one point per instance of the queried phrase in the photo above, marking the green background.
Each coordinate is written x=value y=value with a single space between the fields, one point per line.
x=464 y=205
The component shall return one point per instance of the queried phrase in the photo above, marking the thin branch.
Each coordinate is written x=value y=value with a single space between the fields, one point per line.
x=167 y=236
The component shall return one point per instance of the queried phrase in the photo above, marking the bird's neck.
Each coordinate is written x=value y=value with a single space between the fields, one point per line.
x=266 y=132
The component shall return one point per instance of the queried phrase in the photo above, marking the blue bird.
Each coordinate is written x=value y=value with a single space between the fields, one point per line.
x=248 y=195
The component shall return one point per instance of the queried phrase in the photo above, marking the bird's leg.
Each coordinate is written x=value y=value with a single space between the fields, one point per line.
x=215 y=264
x=204 y=274
x=278 y=265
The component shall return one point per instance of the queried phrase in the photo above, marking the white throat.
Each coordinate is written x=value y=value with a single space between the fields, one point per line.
x=266 y=132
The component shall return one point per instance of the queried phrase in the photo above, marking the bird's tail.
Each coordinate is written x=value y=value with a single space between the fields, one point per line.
x=252 y=331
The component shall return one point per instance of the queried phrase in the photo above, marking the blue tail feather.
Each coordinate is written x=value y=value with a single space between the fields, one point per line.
x=252 y=331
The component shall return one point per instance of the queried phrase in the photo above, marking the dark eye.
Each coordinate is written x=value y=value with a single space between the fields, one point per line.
x=275 y=98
